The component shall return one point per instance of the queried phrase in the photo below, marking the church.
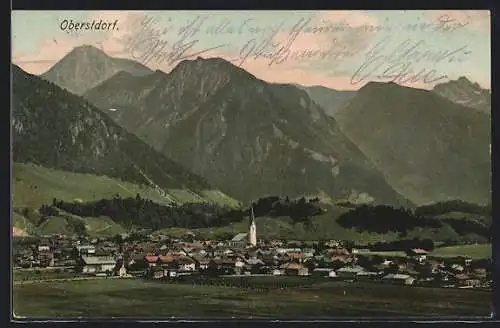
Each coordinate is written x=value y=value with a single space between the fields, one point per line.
x=246 y=238
x=252 y=230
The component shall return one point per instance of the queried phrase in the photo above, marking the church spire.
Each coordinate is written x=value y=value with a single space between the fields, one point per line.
x=252 y=231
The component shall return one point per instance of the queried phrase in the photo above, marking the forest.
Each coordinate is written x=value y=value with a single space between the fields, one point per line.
x=139 y=212
x=453 y=206
x=384 y=219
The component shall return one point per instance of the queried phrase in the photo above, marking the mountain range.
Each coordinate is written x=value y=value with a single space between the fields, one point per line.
x=248 y=137
x=429 y=148
x=57 y=129
x=383 y=143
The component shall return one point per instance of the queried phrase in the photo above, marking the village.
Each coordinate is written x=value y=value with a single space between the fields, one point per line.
x=160 y=257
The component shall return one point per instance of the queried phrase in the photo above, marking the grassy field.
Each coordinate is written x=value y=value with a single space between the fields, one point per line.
x=138 y=298
x=36 y=185
x=22 y=224
x=475 y=251
x=28 y=275
x=386 y=254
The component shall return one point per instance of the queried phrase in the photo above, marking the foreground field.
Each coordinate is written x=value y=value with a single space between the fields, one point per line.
x=138 y=298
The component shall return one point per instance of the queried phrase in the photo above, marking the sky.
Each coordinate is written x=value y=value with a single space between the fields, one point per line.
x=342 y=50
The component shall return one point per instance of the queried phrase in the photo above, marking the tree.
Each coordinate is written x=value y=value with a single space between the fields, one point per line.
x=117 y=239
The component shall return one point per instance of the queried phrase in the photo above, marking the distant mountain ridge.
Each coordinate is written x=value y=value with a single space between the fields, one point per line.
x=248 y=137
x=429 y=148
x=86 y=66
x=56 y=129
x=329 y=99
x=462 y=91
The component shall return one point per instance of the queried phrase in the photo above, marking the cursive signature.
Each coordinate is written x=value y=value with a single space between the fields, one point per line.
x=152 y=43
x=398 y=65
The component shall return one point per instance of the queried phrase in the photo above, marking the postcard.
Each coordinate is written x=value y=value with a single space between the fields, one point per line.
x=306 y=165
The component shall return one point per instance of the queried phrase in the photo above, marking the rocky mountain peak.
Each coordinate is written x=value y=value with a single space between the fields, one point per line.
x=86 y=66
x=465 y=92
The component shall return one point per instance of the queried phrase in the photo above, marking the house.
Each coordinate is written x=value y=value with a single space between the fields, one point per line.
x=398 y=279
x=254 y=265
x=349 y=272
x=338 y=251
x=294 y=269
x=457 y=267
x=324 y=272
x=277 y=272
x=308 y=253
x=178 y=252
x=295 y=256
x=387 y=262
x=271 y=260
x=417 y=254
x=344 y=258
x=463 y=280
x=151 y=260
x=44 y=247
x=480 y=272
x=333 y=243
x=239 y=266
x=185 y=263
x=223 y=266
x=157 y=272
x=168 y=262
x=85 y=250
x=46 y=259
x=239 y=241
x=94 y=264
x=202 y=263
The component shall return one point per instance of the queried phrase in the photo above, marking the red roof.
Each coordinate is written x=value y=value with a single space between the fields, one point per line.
x=166 y=259
x=340 y=257
x=151 y=258
x=292 y=266
x=461 y=276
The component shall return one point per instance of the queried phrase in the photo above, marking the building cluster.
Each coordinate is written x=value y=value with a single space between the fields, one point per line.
x=162 y=257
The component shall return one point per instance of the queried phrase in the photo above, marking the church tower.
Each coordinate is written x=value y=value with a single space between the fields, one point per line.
x=252 y=231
